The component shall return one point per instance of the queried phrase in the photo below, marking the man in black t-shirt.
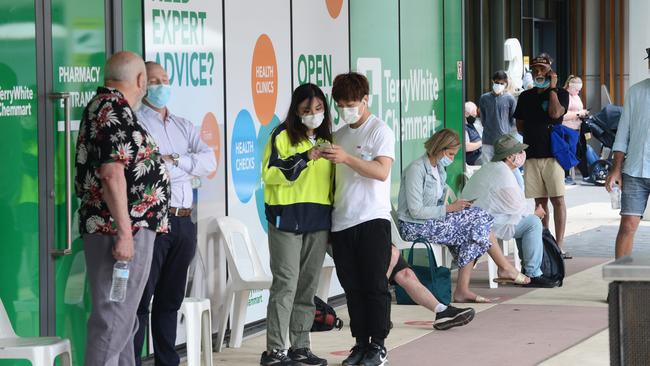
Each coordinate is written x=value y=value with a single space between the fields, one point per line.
x=538 y=109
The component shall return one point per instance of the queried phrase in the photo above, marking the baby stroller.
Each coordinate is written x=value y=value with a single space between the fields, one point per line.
x=602 y=126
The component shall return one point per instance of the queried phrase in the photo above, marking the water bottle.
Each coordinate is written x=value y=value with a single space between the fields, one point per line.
x=615 y=197
x=196 y=182
x=120 y=281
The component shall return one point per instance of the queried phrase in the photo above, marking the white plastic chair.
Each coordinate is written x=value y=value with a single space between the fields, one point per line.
x=325 y=281
x=197 y=319
x=40 y=351
x=238 y=287
x=438 y=250
x=198 y=330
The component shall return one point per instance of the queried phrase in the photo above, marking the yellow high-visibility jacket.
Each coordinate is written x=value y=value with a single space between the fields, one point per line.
x=297 y=191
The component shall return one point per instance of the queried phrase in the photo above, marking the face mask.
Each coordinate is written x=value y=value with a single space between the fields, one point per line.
x=312 y=121
x=471 y=120
x=542 y=85
x=519 y=159
x=445 y=161
x=350 y=115
x=158 y=95
x=498 y=88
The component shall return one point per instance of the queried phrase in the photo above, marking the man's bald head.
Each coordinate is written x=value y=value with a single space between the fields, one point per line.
x=153 y=66
x=156 y=74
x=124 y=66
x=125 y=71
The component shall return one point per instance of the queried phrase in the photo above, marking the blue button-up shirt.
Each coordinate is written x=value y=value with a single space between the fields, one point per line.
x=180 y=136
x=633 y=135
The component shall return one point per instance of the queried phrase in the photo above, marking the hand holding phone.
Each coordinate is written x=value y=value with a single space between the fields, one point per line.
x=552 y=75
x=324 y=145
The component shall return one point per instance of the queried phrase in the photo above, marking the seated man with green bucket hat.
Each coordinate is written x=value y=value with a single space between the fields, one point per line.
x=495 y=189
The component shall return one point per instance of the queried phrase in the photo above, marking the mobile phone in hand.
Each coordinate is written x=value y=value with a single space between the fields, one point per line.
x=324 y=145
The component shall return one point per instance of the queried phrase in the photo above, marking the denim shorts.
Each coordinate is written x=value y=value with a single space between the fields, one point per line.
x=634 y=195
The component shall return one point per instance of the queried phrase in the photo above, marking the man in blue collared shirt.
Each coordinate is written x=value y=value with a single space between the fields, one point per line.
x=632 y=154
x=187 y=158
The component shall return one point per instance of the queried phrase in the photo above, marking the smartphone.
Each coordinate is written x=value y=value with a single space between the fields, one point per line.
x=324 y=145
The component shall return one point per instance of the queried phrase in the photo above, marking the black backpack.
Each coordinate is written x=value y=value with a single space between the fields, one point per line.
x=552 y=261
x=325 y=317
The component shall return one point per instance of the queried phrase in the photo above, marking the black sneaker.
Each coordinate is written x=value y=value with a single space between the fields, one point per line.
x=277 y=358
x=356 y=355
x=453 y=317
x=376 y=355
x=305 y=357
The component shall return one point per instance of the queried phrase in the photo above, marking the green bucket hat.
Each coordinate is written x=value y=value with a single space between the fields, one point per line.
x=505 y=146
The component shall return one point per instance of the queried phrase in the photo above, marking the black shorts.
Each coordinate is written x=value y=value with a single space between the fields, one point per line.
x=400 y=265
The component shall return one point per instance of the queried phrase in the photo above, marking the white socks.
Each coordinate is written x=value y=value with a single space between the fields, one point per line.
x=440 y=308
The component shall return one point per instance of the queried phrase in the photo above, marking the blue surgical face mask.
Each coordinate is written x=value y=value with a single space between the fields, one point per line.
x=543 y=85
x=445 y=161
x=158 y=95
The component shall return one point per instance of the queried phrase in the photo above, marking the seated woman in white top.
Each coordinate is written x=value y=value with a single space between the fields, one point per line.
x=496 y=190
x=465 y=230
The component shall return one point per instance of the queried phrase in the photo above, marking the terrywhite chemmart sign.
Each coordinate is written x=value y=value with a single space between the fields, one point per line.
x=417 y=85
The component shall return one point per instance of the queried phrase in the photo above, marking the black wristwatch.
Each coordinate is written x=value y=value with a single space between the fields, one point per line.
x=553 y=89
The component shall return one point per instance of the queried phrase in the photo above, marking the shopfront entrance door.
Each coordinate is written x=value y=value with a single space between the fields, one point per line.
x=52 y=54
x=77 y=32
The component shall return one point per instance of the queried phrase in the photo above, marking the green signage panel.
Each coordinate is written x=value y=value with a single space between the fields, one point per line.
x=78 y=57
x=454 y=116
x=374 y=51
x=19 y=227
x=422 y=80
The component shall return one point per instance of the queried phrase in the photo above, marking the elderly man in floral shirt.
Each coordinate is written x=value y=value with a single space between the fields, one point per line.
x=124 y=191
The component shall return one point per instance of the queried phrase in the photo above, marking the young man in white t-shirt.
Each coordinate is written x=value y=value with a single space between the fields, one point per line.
x=363 y=151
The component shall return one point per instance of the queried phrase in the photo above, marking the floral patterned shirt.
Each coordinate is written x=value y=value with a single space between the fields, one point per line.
x=110 y=132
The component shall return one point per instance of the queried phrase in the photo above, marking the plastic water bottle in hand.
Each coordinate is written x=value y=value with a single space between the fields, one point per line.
x=615 y=197
x=120 y=281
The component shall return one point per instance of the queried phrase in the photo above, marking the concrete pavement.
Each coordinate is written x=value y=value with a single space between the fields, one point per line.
x=561 y=326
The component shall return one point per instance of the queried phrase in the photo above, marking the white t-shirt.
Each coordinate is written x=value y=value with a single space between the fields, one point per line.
x=358 y=199
x=441 y=184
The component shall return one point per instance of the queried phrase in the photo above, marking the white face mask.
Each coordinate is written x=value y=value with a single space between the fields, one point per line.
x=498 y=88
x=350 y=115
x=313 y=121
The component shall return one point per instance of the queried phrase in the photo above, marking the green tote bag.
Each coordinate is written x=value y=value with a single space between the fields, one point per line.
x=435 y=278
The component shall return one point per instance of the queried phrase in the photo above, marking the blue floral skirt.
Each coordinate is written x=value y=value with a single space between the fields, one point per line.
x=466 y=233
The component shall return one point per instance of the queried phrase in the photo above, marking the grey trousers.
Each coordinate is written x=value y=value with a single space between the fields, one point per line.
x=112 y=325
x=296 y=262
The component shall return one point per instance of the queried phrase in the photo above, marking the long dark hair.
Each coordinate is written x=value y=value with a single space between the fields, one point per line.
x=296 y=130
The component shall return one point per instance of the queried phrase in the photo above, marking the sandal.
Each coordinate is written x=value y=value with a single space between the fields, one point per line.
x=519 y=280
x=478 y=300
